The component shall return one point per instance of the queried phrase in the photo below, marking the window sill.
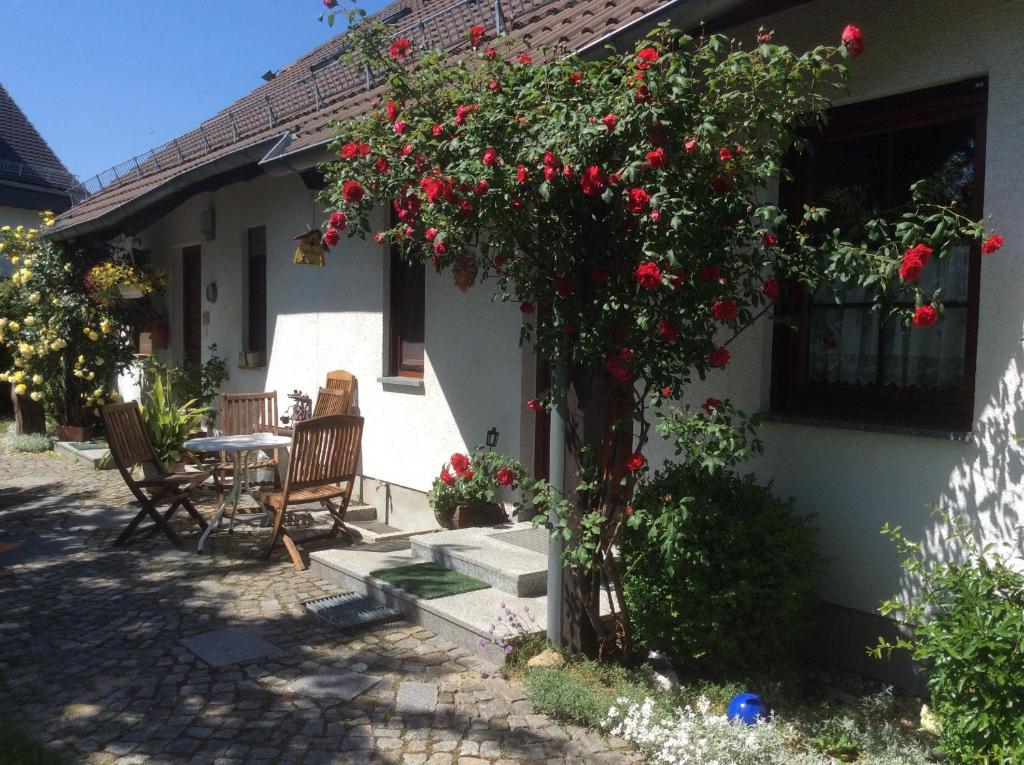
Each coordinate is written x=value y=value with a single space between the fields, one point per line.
x=869 y=427
x=252 y=366
x=402 y=384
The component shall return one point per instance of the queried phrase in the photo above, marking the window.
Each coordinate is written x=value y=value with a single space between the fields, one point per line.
x=842 y=360
x=256 y=275
x=407 y=317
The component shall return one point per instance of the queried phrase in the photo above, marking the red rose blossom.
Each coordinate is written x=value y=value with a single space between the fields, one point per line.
x=491 y=53
x=721 y=185
x=525 y=58
x=382 y=165
x=629 y=510
x=771 y=288
x=534 y=404
x=992 y=244
x=460 y=463
x=769 y=239
x=494 y=86
x=647 y=56
x=331 y=236
x=690 y=146
x=392 y=111
x=853 y=39
x=440 y=248
x=429 y=234
x=476 y=35
x=648 y=275
x=638 y=201
x=521 y=174
x=592 y=181
x=657 y=158
x=437 y=131
x=352 y=191
x=526 y=307
x=481 y=188
x=506 y=476
x=635 y=462
x=616 y=368
x=725 y=155
x=399 y=48
x=337 y=220
x=925 y=316
x=666 y=391
x=490 y=157
x=643 y=95
x=576 y=78
x=610 y=121
x=914 y=261
x=719 y=357
x=710 y=405
x=724 y=310
x=446 y=477
x=668 y=330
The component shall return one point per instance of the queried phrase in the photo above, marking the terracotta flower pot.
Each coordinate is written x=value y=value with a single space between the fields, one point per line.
x=74 y=432
x=485 y=514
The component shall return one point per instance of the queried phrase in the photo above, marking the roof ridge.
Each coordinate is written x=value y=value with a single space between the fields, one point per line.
x=22 y=144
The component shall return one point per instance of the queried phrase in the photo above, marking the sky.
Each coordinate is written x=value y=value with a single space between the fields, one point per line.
x=103 y=80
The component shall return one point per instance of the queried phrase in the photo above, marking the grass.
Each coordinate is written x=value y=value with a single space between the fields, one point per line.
x=18 y=749
x=428 y=580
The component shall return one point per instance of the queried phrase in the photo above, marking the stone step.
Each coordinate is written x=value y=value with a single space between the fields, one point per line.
x=514 y=566
x=465 y=619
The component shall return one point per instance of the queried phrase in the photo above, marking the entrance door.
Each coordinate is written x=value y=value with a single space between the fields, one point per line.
x=192 y=304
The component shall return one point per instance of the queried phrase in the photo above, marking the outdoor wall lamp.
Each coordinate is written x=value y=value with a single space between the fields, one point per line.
x=492 y=438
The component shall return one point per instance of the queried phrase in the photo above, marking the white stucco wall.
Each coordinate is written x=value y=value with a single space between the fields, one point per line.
x=856 y=481
x=321 y=319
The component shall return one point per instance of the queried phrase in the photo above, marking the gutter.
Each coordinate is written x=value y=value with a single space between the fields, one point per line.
x=246 y=155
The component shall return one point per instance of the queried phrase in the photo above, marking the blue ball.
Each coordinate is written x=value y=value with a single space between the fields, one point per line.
x=748 y=708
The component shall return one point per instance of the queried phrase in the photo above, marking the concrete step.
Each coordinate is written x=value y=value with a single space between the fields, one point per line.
x=90 y=454
x=465 y=619
x=515 y=567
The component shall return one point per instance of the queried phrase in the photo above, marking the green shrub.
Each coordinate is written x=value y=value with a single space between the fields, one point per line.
x=31 y=442
x=968 y=622
x=719 y=572
x=583 y=690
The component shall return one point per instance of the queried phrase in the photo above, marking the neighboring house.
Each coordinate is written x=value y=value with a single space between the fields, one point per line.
x=32 y=178
x=866 y=425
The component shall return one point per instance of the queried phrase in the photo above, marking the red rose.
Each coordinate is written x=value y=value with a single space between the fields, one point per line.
x=656 y=158
x=392 y=111
x=655 y=215
x=382 y=165
x=499 y=261
x=353 y=150
x=337 y=220
x=668 y=330
x=564 y=286
x=853 y=39
x=725 y=155
x=710 y=405
x=461 y=112
x=490 y=157
x=709 y=274
x=437 y=131
x=925 y=316
x=440 y=248
x=494 y=86
x=379 y=237
x=626 y=353
x=465 y=207
x=429 y=234
x=764 y=37
x=769 y=239
x=525 y=58
x=629 y=510
x=647 y=56
x=666 y=391
x=721 y=185
x=330 y=3
x=476 y=35
x=516 y=204
x=446 y=477
x=401 y=127
x=505 y=476
x=643 y=95
x=576 y=78
x=678 y=280
x=481 y=188
x=992 y=244
x=719 y=357
x=648 y=275
x=592 y=181
x=521 y=174
x=914 y=261
x=690 y=146
x=771 y=288
x=615 y=367
x=399 y=48
x=599 y=275
x=460 y=463
x=636 y=462
x=638 y=201
x=526 y=307
x=724 y=310
x=331 y=236
x=568 y=172
x=491 y=53
x=406 y=150
x=535 y=405
x=550 y=174
x=352 y=191
x=610 y=121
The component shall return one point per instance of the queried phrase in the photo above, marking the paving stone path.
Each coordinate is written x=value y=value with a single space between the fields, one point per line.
x=101 y=652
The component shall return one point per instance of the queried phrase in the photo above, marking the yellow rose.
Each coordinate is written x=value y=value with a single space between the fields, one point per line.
x=86 y=331
x=100 y=402
x=37 y=379
x=77 y=373
x=30 y=320
x=81 y=359
x=5 y=229
x=14 y=260
x=15 y=326
x=94 y=336
x=34 y=298
x=98 y=392
x=36 y=395
x=18 y=376
x=20 y=389
x=99 y=361
x=67 y=267
x=91 y=376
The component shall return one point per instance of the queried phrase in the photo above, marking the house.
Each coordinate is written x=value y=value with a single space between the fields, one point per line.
x=865 y=424
x=32 y=178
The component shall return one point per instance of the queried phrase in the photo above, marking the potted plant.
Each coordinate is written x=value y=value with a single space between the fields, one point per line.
x=168 y=424
x=464 y=493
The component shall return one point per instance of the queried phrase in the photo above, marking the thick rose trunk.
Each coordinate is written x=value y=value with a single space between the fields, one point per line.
x=28 y=414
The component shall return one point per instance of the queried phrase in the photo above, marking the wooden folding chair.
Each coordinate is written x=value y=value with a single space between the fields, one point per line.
x=242 y=414
x=130 y=448
x=344 y=382
x=325 y=455
x=332 y=401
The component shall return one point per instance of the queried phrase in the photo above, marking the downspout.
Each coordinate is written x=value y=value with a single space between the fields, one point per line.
x=556 y=477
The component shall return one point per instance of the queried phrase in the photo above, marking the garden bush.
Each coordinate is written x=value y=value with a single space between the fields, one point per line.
x=968 y=623
x=719 y=570
x=30 y=442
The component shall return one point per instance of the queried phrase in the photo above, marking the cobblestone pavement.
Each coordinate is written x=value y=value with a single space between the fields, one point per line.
x=92 y=657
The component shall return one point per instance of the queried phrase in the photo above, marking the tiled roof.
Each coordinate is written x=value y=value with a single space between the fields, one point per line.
x=319 y=88
x=25 y=157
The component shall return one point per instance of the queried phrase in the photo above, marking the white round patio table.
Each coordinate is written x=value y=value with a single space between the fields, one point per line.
x=239 y=448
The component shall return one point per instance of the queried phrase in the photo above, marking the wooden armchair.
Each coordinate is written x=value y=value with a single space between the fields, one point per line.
x=130 y=448
x=325 y=455
x=242 y=414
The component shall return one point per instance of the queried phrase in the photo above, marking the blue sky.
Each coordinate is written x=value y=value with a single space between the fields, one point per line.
x=106 y=79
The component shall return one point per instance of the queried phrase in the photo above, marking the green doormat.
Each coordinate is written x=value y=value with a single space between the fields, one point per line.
x=428 y=580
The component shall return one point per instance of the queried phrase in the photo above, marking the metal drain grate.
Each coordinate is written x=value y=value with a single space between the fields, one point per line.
x=535 y=540
x=351 y=610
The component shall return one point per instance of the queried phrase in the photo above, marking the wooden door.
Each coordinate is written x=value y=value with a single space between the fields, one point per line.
x=192 y=304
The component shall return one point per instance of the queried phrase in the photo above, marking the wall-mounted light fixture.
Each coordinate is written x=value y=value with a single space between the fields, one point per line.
x=492 y=438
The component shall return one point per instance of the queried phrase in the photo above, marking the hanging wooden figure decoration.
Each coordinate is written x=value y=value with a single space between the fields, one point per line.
x=310 y=251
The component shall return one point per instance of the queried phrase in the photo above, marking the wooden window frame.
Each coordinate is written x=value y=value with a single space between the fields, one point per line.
x=792 y=392
x=256 y=302
x=399 y=271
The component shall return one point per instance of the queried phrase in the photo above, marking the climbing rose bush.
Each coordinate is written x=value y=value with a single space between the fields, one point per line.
x=619 y=203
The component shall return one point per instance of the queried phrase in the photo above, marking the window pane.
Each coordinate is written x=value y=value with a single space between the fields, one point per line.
x=926 y=357
x=844 y=346
x=411 y=310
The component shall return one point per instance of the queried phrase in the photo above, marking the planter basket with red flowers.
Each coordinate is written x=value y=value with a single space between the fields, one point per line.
x=464 y=493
